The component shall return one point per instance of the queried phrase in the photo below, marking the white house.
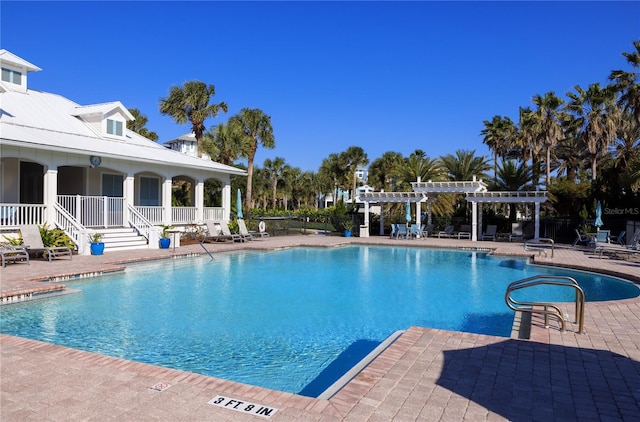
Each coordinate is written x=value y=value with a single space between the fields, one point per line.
x=79 y=168
x=186 y=144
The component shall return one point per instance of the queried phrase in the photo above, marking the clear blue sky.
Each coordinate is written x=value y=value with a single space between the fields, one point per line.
x=385 y=76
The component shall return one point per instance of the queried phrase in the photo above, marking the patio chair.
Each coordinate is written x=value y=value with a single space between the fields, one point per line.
x=581 y=239
x=603 y=236
x=242 y=228
x=402 y=231
x=214 y=234
x=32 y=240
x=225 y=231
x=10 y=253
x=465 y=232
x=490 y=233
x=394 y=230
x=516 y=232
x=415 y=230
x=428 y=231
x=447 y=232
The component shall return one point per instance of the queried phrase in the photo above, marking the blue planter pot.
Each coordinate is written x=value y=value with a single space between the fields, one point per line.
x=164 y=243
x=347 y=233
x=97 y=248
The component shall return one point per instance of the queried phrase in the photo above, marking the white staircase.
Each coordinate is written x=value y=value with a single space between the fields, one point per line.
x=122 y=238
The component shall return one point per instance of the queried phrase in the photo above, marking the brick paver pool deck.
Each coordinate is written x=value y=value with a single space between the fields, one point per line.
x=425 y=375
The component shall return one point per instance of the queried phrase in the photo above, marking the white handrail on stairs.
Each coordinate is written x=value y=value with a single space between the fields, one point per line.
x=139 y=222
x=76 y=231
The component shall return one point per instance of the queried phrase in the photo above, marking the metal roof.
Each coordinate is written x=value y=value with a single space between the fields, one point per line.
x=45 y=121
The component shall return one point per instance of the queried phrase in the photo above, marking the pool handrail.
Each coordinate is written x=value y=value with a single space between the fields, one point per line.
x=549 y=309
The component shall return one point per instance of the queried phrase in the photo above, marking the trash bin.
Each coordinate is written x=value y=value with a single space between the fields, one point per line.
x=364 y=230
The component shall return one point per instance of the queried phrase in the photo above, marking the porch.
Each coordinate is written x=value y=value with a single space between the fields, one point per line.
x=80 y=215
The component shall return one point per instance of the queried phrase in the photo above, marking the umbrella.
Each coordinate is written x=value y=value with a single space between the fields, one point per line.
x=598 y=223
x=239 y=205
x=408 y=212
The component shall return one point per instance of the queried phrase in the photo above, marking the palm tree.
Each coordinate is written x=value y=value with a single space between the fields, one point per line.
x=190 y=103
x=384 y=170
x=334 y=170
x=548 y=125
x=498 y=136
x=419 y=165
x=275 y=170
x=223 y=143
x=138 y=125
x=530 y=141
x=597 y=117
x=355 y=158
x=464 y=165
x=512 y=177
x=256 y=129
x=628 y=83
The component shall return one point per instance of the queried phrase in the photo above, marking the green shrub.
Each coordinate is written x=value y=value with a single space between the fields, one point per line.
x=55 y=237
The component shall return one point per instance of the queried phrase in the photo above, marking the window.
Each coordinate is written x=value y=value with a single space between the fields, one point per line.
x=112 y=185
x=149 y=191
x=12 y=76
x=114 y=127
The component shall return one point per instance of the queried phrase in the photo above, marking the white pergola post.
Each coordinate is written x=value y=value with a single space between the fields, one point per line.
x=418 y=217
x=536 y=233
x=479 y=232
x=381 y=218
x=474 y=221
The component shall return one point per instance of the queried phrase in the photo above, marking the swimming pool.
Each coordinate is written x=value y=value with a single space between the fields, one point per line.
x=292 y=320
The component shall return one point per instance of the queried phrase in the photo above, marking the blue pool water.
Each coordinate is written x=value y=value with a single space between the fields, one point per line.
x=293 y=320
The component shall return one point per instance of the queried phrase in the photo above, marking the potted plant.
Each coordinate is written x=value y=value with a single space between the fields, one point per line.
x=165 y=240
x=97 y=246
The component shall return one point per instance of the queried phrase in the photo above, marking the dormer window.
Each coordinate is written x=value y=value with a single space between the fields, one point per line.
x=12 y=76
x=114 y=127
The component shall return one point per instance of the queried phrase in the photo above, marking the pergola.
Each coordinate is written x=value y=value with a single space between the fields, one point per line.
x=475 y=191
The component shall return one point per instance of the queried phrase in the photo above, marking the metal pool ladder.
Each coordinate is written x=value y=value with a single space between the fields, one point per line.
x=545 y=308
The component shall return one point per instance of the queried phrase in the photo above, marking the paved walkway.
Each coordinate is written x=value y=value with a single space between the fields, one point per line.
x=425 y=374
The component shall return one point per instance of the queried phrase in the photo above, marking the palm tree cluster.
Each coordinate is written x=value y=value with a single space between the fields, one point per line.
x=585 y=146
x=591 y=136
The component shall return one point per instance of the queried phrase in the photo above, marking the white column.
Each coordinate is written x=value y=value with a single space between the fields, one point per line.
x=166 y=202
x=418 y=216
x=366 y=220
x=381 y=218
x=199 y=201
x=429 y=217
x=226 y=200
x=474 y=221
x=536 y=234
x=480 y=221
x=128 y=190
x=50 y=195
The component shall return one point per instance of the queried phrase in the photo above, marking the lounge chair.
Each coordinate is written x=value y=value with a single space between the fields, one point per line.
x=428 y=231
x=490 y=233
x=581 y=239
x=465 y=232
x=516 y=232
x=242 y=228
x=10 y=253
x=447 y=232
x=32 y=240
x=214 y=233
x=225 y=231
x=632 y=248
x=394 y=230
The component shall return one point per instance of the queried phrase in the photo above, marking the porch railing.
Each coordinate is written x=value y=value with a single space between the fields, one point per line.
x=213 y=213
x=183 y=215
x=13 y=215
x=94 y=211
x=151 y=214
